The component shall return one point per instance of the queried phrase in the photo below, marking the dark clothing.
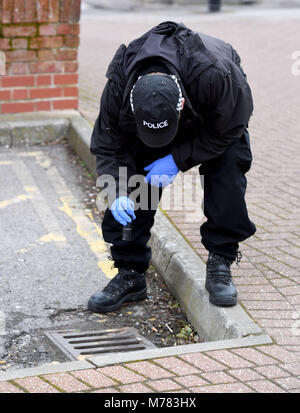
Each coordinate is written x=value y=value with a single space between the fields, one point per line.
x=218 y=98
x=212 y=132
x=224 y=206
x=224 y=199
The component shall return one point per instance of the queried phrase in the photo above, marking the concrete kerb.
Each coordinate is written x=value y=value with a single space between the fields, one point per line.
x=181 y=268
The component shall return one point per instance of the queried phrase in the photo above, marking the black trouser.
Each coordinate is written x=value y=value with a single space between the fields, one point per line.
x=224 y=207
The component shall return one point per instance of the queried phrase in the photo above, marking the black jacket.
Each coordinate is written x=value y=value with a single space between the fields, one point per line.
x=218 y=98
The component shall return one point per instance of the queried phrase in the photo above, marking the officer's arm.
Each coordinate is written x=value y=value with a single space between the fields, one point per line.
x=228 y=107
x=108 y=142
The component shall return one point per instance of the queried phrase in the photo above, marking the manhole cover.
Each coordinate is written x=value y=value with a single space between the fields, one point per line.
x=78 y=345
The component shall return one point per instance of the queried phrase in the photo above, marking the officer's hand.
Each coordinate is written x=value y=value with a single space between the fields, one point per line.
x=161 y=172
x=123 y=210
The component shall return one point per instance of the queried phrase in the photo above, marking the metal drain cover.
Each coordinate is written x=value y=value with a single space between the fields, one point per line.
x=78 y=345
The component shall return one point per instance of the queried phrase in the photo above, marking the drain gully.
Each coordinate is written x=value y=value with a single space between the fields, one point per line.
x=77 y=344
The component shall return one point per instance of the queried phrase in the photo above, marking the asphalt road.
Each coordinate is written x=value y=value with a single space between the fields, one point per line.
x=51 y=250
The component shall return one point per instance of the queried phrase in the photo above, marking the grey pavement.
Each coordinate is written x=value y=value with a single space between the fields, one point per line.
x=51 y=249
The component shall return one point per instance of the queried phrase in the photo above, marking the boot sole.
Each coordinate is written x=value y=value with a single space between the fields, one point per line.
x=137 y=296
x=224 y=301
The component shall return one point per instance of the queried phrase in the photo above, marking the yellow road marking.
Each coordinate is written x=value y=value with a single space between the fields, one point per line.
x=5 y=162
x=38 y=201
x=19 y=198
x=106 y=267
x=52 y=238
x=86 y=227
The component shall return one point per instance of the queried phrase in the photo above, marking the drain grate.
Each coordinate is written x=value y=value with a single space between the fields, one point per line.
x=77 y=344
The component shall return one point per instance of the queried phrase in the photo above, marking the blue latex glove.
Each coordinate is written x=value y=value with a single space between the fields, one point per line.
x=161 y=172
x=123 y=210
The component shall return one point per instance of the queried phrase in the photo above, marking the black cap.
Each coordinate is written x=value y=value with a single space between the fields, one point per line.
x=156 y=101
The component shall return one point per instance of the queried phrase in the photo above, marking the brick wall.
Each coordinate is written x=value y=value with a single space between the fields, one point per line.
x=40 y=39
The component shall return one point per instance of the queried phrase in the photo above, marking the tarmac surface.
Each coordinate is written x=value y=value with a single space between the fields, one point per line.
x=48 y=238
x=268 y=276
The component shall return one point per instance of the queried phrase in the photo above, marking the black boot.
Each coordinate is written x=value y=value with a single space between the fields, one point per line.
x=219 y=284
x=127 y=285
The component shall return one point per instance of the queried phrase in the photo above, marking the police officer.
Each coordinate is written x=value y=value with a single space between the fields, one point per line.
x=174 y=99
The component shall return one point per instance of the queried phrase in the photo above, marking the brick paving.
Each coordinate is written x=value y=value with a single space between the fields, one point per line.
x=268 y=276
x=267 y=373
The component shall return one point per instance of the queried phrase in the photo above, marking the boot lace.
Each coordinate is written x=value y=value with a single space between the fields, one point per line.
x=217 y=276
x=119 y=283
x=224 y=277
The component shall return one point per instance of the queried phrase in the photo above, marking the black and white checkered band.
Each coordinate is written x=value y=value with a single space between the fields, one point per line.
x=180 y=98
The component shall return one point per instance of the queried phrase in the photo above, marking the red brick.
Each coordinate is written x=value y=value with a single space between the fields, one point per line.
x=66 y=54
x=218 y=377
x=106 y=390
x=71 y=67
x=191 y=380
x=71 y=91
x=272 y=372
x=19 y=43
x=66 y=382
x=17 y=107
x=65 y=28
x=75 y=11
x=4 y=44
x=46 y=67
x=30 y=11
x=267 y=305
x=46 y=42
x=53 y=11
x=42 y=11
x=43 y=80
x=230 y=359
x=289 y=383
x=94 y=378
x=18 y=68
x=5 y=69
x=4 y=94
x=280 y=353
x=203 y=362
x=6 y=387
x=36 y=385
x=43 y=105
x=19 y=11
x=65 y=10
x=46 y=55
x=47 y=29
x=293 y=368
x=45 y=93
x=7 y=8
x=19 y=31
x=21 y=56
x=255 y=356
x=71 y=41
x=12 y=81
x=176 y=365
x=150 y=370
x=265 y=386
x=66 y=79
x=164 y=385
x=20 y=94
x=135 y=388
x=246 y=374
x=120 y=373
x=223 y=388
